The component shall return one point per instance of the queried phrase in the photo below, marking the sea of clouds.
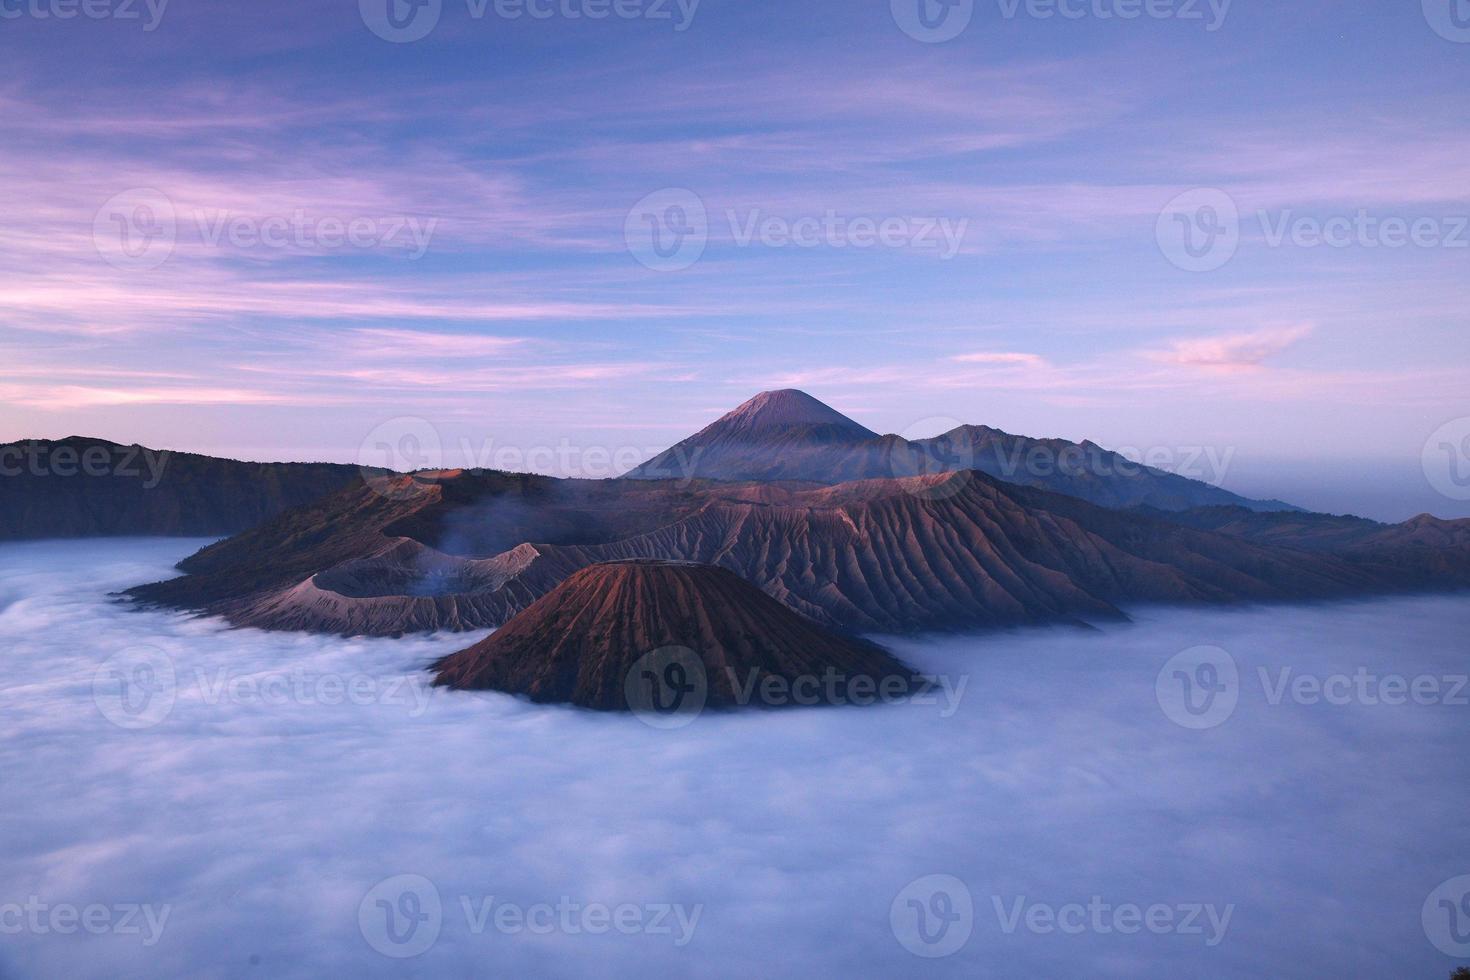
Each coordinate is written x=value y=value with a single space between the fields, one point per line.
x=302 y=806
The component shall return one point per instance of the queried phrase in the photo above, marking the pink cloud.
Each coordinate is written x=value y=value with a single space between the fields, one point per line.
x=1001 y=357
x=1236 y=351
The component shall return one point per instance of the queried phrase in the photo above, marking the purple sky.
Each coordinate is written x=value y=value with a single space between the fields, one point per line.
x=265 y=230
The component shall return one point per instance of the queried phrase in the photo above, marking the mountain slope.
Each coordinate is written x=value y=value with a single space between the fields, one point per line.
x=790 y=436
x=580 y=642
x=940 y=552
x=78 y=487
x=1425 y=551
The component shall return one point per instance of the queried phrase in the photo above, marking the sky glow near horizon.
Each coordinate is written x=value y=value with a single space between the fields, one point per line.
x=360 y=230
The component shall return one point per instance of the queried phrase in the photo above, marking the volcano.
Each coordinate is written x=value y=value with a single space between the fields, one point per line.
x=788 y=435
x=589 y=641
x=775 y=435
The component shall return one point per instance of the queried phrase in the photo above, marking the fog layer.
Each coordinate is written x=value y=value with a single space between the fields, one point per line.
x=251 y=809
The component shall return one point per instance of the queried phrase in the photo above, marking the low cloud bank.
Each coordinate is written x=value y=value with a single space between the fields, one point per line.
x=1124 y=803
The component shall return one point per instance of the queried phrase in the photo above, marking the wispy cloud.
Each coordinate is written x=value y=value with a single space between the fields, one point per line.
x=1232 y=352
x=1000 y=357
x=527 y=168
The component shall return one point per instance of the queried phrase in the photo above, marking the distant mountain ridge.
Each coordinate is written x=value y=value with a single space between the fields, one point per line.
x=85 y=487
x=1426 y=546
x=789 y=435
x=81 y=487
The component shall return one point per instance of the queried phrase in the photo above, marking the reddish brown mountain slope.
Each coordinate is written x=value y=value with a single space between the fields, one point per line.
x=945 y=552
x=578 y=643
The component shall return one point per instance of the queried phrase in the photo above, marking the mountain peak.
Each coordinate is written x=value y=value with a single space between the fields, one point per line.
x=788 y=407
x=751 y=442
